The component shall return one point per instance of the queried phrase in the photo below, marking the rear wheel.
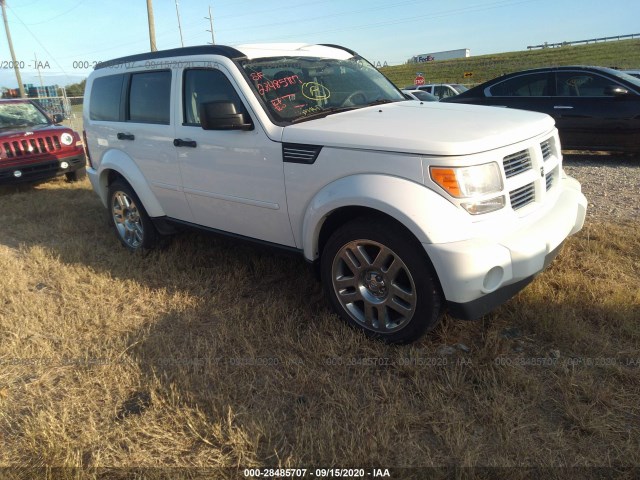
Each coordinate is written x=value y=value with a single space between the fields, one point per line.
x=379 y=279
x=129 y=218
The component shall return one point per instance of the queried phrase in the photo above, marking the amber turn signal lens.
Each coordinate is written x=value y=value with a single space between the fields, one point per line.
x=446 y=178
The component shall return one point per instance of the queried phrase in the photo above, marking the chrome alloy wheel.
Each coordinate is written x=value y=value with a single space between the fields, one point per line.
x=374 y=286
x=126 y=217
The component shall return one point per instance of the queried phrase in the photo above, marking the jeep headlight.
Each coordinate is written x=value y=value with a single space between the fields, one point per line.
x=66 y=138
x=472 y=182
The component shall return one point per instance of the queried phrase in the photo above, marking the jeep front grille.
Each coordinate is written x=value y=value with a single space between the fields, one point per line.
x=523 y=196
x=31 y=146
x=516 y=163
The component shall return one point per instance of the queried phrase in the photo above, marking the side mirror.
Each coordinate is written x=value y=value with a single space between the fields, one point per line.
x=223 y=115
x=57 y=118
x=615 y=91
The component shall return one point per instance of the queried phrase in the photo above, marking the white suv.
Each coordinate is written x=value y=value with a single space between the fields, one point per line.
x=406 y=207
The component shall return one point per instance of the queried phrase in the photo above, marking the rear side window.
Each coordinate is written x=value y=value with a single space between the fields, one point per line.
x=532 y=85
x=150 y=97
x=105 y=98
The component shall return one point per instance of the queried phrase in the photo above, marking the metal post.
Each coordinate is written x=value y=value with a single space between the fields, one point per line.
x=179 y=25
x=210 y=18
x=152 y=27
x=13 y=54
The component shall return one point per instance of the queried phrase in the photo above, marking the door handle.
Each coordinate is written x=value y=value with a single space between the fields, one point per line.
x=178 y=142
x=563 y=107
x=126 y=136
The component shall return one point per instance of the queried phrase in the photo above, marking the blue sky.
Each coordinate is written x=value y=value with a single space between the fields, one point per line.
x=66 y=36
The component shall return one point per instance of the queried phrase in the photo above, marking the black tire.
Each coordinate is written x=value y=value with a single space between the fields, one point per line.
x=379 y=279
x=129 y=218
x=76 y=175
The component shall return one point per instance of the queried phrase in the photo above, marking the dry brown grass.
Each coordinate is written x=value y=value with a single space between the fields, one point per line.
x=211 y=354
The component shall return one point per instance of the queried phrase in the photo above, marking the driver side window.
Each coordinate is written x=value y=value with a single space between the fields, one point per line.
x=202 y=86
x=580 y=84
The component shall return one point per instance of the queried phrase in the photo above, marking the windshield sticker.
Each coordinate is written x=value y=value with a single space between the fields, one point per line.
x=315 y=91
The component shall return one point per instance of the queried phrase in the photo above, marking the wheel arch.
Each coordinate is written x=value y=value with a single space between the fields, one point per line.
x=424 y=214
x=116 y=165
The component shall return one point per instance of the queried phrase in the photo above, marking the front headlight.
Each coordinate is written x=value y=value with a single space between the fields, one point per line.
x=472 y=182
x=66 y=138
x=466 y=182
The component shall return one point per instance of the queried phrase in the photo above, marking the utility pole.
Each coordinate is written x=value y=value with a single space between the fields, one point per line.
x=210 y=18
x=152 y=26
x=13 y=54
x=179 y=25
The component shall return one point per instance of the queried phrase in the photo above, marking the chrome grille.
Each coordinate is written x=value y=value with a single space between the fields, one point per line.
x=547 y=149
x=516 y=163
x=31 y=146
x=523 y=196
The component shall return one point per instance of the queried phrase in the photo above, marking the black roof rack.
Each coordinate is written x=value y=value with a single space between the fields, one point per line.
x=222 y=50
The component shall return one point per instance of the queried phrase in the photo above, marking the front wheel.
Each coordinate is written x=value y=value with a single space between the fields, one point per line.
x=129 y=218
x=379 y=279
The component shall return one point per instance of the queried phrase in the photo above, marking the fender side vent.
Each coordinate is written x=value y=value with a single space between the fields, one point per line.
x=299 y=153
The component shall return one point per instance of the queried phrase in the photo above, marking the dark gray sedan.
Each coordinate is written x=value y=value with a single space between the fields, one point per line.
x=595 y=108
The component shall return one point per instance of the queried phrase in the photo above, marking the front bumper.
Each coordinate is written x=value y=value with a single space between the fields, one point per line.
x=477 y=275
x=43 y=170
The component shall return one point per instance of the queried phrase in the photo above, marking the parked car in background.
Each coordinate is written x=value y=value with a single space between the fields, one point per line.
x=595 y=108
x=441 y=90
x=419 y=95
x=33 y=147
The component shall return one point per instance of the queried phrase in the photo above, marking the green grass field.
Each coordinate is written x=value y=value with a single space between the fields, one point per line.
x=624 y=54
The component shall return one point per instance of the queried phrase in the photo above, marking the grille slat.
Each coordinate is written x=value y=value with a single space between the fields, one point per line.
x=547 y=149
x=516 y=163
x=523 y=196
x=549 y=180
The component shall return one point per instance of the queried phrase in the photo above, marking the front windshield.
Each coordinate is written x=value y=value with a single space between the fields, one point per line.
x=18 y=115
x=296 y=88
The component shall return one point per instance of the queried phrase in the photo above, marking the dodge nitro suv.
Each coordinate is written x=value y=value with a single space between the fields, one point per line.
x=406 y=208
x=33 y=148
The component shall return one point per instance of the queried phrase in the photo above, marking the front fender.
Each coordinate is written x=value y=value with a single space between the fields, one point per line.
x=430 y=217
x=123 y=164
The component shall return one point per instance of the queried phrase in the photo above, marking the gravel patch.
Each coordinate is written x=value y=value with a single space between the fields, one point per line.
x=611 y=183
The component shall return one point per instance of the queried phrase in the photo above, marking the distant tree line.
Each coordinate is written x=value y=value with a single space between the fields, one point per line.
x=76 y=89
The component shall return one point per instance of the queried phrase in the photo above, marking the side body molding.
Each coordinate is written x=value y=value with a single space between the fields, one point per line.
x=419 y=209
x=123 y=164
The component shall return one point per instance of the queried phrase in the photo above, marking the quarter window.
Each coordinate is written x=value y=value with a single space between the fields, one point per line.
x=533 y=85
x=105 y=98
x=150 y=97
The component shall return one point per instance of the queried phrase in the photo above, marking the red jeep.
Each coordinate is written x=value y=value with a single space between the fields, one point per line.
x=33 y=147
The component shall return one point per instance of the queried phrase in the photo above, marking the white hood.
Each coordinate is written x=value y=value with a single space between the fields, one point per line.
x=429 y=128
